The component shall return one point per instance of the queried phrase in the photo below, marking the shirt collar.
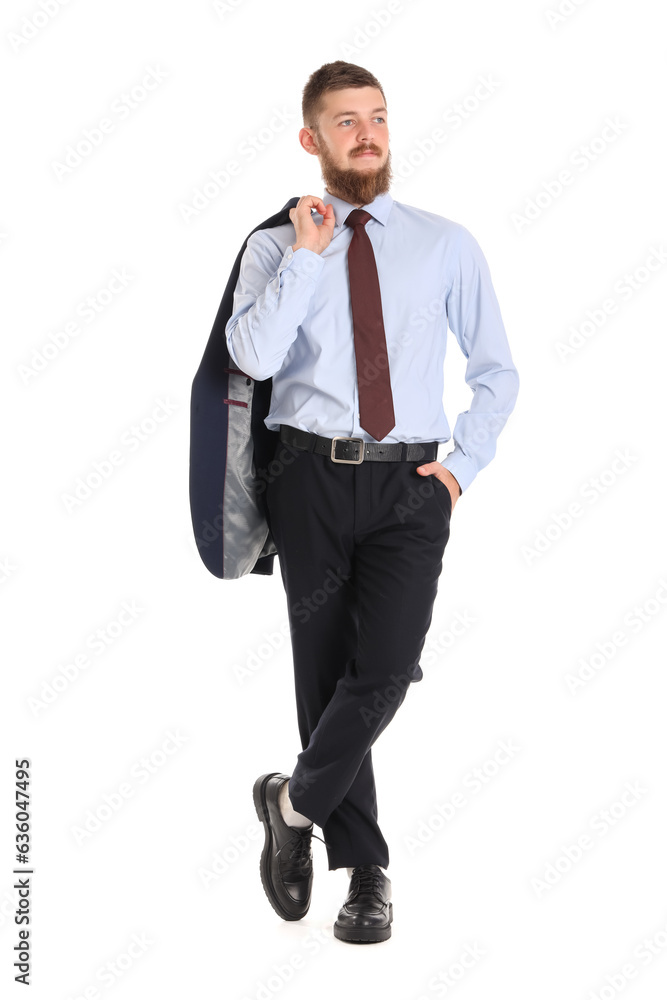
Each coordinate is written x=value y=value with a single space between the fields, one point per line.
x=379 y=208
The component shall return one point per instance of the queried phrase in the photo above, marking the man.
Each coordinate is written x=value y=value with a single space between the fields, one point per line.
x=347 y=309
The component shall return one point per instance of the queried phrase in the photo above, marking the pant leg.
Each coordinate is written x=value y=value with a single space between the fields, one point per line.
x=310 y=506
x=392 y=525
x=401 y=530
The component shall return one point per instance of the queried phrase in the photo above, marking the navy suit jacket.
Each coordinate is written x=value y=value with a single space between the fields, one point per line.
x=229 y=441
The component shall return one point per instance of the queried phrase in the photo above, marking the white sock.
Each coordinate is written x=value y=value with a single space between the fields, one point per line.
x=289 y=814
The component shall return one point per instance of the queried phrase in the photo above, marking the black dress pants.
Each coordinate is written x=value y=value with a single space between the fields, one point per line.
x=360 y=549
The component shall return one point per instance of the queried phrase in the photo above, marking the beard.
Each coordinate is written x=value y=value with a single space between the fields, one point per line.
x=359 y=186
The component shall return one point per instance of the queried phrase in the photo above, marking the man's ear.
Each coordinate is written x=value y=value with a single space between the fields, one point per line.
x=308 y=142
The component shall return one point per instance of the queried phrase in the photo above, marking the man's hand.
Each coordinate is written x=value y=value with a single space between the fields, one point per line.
x=308 y=233
x=445 y=476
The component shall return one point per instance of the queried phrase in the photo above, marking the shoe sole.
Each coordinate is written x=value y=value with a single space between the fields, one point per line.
x=259 y=798
x=364 y=935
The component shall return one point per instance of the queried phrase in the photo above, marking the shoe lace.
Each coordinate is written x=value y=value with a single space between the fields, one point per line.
x=299 y=859
x=366 y=879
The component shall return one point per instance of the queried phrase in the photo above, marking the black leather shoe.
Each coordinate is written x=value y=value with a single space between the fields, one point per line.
x=367 y=913
x=286 y=864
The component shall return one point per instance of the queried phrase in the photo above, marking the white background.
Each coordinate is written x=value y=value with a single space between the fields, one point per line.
x=473 y=883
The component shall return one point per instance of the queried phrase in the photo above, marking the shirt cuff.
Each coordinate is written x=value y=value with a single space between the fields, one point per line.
x=460 y=467
x=303 y=261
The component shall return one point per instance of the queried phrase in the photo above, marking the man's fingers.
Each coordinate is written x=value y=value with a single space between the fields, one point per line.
x=312 y=201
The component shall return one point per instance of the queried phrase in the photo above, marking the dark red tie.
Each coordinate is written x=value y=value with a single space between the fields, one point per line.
x=376 y=406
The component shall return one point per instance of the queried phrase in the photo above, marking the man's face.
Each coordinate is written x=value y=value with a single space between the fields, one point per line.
x=353 y=121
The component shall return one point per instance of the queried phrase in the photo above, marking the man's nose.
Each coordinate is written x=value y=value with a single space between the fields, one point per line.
x=366 y=133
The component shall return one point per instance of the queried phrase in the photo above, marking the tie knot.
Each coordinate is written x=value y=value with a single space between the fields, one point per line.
x=358 y=217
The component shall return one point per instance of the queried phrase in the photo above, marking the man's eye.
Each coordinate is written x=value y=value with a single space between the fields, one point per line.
x=378 y=119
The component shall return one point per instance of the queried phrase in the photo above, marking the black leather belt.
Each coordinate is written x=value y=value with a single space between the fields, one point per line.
x=354 y=451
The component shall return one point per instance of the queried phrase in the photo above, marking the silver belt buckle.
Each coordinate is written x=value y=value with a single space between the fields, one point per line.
x=347 y=461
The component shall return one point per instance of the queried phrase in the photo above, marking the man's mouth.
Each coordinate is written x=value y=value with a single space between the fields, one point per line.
x=367 y=152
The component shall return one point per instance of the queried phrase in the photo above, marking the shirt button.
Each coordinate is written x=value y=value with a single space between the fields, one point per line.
x=289 y=256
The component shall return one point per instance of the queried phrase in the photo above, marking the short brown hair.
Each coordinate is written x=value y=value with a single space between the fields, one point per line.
x=332 y=76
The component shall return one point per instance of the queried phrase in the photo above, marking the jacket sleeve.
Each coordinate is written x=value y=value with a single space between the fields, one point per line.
x=271 y=299
x=473 y=315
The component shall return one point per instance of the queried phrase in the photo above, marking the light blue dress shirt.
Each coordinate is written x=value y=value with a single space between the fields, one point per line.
x=292 y=319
